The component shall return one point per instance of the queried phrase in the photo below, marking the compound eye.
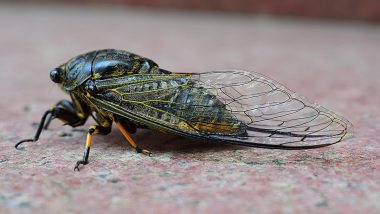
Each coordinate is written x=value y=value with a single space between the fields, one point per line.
x=55 y=75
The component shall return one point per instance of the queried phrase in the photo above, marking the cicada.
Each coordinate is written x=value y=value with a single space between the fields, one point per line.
x=224 y=106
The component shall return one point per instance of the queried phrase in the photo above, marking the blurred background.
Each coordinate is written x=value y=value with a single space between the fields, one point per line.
x=326 y=50
x=338 y=9
x=288 y=38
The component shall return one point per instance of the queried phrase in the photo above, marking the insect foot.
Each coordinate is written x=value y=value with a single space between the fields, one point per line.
x=144 y=151
x=79 y=163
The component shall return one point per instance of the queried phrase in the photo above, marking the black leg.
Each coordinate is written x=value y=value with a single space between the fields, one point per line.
x=38 y=133
x=63 y=104
x=65 y=111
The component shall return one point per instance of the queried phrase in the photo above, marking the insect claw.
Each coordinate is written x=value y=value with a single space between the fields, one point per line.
x=21 y=142
x=76 y=168
x=144 y=151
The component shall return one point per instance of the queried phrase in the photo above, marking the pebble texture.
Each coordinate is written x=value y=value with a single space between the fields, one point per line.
x=336 y=63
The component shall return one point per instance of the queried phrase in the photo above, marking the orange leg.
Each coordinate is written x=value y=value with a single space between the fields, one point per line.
x=92 y=130
x=130 y=140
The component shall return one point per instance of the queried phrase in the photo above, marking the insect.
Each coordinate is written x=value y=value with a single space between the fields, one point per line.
x=226 y=106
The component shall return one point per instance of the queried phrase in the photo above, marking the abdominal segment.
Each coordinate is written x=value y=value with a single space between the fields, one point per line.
x=176 y=102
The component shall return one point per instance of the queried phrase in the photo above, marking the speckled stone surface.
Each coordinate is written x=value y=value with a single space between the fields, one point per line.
x=336 y=63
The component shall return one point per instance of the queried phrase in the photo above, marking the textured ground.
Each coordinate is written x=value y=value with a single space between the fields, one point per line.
x=337 y=64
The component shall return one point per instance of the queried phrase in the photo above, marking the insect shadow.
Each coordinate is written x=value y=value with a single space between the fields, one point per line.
x=166 y=142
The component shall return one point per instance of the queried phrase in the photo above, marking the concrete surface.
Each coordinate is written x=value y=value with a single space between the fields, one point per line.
x=336 y=63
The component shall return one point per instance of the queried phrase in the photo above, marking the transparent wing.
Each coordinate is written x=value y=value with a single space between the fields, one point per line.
x=230 y=106
x=274 y=115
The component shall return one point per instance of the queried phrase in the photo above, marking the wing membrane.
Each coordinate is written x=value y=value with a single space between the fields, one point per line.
x=231 y=106
x=274 y=114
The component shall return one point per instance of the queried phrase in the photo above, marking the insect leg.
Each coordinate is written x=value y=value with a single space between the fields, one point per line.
x=63 y=110
x=38 y=133
x=122 y=126
x=130 y=127
x=91 y=131
x=61 y=104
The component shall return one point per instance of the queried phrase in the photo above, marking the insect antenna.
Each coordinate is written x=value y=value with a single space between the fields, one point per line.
x=38 y=133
